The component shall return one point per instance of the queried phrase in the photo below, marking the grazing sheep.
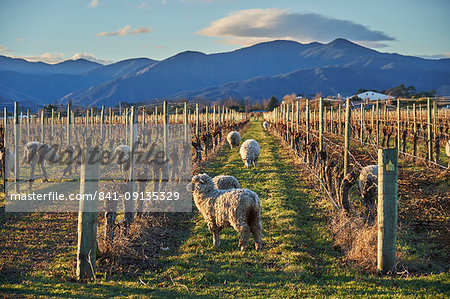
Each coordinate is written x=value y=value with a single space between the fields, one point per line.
x=265 y=125
x=122 y=152
x=238 y=208
x=447 y=151
x=368 y=180
x=224 y=182
x=36 y=152
x=234 y=139
x=250 y=152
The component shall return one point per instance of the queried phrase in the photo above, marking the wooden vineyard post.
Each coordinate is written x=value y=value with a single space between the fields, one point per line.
x=53 y=123
x=399 y=135
x=307 y=127
x=28 y=124
x=126 y=125
x=361 y=132
x=321 y=124
x=207 y=119
x=372 y=123
x=186 y=122
x=346 y=135
x=331 y=120
x=42 y=126
x=298 y=116
x=16 y=146
x=430 y=131
x=197 y=122
x=378 y=122
x=102 y=125
x=435 y=133
x=87 y=216
x=339 y=122
x=69 y=126
x=129 y=204
x=214 y=118
x=166 y=130
x=387 y=209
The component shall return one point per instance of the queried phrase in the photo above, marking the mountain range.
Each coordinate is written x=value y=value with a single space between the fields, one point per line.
x=260 y=71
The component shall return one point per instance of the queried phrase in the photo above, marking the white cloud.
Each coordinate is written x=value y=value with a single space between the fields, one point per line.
x=90 y=57
x=268 y=24
x=125 y=31
x=142 y=5
x=436 y=56
x=46 y=57
x=164 y=2
x=94 y=3
x=140 y=30
x=4 y=49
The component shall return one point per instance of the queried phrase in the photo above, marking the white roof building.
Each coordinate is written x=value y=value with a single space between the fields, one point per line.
x=372 y=96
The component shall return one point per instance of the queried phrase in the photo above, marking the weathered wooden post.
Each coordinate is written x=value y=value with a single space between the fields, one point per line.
x=430 y=131
x=378 y=122
x=87 y=216
x=387 y=209
x=69 y=126
x=42 y=126
x=399 y=134
x=214 y=118
x=102 y=125
x=16 y=147
x=298 y=116
x=129 y=204
x=186 y=122
x=197 y=122
x=307 y=127
x=321 y=124
x=347 y=135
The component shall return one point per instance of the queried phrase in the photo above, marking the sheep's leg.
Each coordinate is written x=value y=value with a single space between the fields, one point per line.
x=215 y=232
x=32 y=166
x=44 y=171
x=244 y=231
x=256 y=229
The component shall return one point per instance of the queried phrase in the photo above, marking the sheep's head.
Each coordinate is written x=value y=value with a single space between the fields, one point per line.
x=201 y=183
x=247 y=162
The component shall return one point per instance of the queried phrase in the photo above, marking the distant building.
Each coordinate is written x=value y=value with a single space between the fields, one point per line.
x=372 y=96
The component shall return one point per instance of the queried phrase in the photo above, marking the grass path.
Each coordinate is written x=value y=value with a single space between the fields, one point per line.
x=298 y=257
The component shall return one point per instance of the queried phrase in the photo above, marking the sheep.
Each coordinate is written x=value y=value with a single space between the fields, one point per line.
x=250 y=152
x=238 y=208
x=36 y=152
x=234 y=139
x=368 y=179
x=224 y=182
x=447 y=151
x=123 y=156
x=265 y=125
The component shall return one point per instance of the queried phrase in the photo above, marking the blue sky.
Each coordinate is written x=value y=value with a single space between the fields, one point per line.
x=113 y=30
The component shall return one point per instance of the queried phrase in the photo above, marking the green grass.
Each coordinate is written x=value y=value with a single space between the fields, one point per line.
x=298 y=257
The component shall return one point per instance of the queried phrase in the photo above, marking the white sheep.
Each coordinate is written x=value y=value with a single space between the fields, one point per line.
x=233 y=139
x=224 y=182
x=250 y=152
x=36 y=152
x=238 y=208
x=447 y=151
x=122 y=153
x=265 y=125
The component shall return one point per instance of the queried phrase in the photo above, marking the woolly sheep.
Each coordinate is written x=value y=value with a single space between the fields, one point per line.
x=265 y=125
x=250 y=152
x=234 y=139
x=36 y=152
x=238 y=208
x=224 y=182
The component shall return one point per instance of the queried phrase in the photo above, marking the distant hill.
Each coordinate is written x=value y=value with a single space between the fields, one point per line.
x=68 y=67
x=259 y=71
